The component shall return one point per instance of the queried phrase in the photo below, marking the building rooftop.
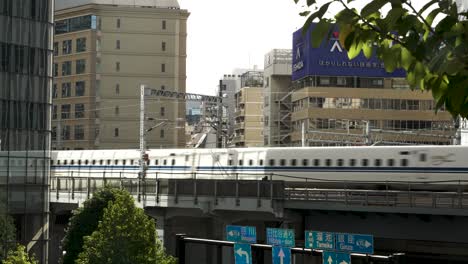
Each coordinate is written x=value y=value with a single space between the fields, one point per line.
x=64 y=4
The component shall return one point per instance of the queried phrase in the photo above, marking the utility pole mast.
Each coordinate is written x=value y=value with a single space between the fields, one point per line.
x=219 y=130
x=142 y=140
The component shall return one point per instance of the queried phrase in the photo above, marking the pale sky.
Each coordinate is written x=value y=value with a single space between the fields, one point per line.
x=228 y=34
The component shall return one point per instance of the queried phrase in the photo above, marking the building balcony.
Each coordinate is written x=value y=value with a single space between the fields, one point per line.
x=239 y=125
x=239 y=112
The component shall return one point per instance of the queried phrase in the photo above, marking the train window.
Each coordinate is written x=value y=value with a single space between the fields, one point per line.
x=230 y=162
x=352 y=162
x=72 y=162
x=272 y=162
x=116 y=162
x=340 y=162
x=65 y=162
x=79 y=162
x=86 y=162
x=124 y=162
x=93 y=162
x=241 y=162
x=101 y=162
x=261 y=162
x=173 y=162
x=328 y=162
x=165 y=162
x=282 y=162
x=422 y=157
x=187 y=157
x=404 y=162
x=131 y=162
x=390 y=162
x=305 y=162
x=250 y=162
x=58 y=162
x=377 y=162
x=51 y=162
x=293 y=162
x=316 y=162
x=148 y=162
x=365 y=162
x=108 y=162
x=156 y=162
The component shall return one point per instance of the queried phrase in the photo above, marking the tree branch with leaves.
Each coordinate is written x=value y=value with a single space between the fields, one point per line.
x=430 y=44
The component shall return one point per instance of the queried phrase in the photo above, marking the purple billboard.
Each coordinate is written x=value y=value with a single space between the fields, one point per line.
x=331 y=59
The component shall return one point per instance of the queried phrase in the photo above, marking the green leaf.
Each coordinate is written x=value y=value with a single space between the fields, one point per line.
x=296 y=1
x=355 y=49
x=406 y=58
x=393 y=16
x=318 y=34
x=367 y=49
x=310 y=2
x=304 y=13
x=432 y=15
x=373 y=7
x=318 y=14
x=426 y=6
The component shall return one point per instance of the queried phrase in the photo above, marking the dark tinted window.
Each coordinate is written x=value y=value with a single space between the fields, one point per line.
x=365 y=162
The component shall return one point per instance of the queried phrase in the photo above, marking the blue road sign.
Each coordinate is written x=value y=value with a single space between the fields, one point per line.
x=281 y=255
x=242 y=254
x=336 y=258
x=319 y=240
x=241 y=234
x=280 y=237
x=355 y=243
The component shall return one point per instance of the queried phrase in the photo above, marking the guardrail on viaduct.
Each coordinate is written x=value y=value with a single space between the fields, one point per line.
x=449 y=198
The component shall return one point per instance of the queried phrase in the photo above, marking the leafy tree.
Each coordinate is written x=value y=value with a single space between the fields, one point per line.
x=7 y=233
x=431 y=43
x=85 y=221
x=125 y=235
x=19 y=256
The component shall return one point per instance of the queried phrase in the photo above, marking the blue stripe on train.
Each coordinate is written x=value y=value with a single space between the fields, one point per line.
x=273 y=168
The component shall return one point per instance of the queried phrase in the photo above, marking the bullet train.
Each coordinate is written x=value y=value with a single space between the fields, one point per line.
x=313 y=164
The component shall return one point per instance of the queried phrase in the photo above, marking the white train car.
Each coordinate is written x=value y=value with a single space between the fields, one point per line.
x=314 y=164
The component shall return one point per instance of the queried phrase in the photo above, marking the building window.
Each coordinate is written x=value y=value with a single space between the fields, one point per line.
x=161 y=133
x=65 y=114
x=117 y=44
x=55 y=69
x=79 y=132
x=54 y=91
x=79 y=110
x=117 y=89
x=66 y=133
x=66 y=68
x=117 y=66
x=117 y=111
x=118 y=23
x=54 y=112
x=81 y=45
x=80 y=66
x=80 y=88
x=66 y=90
x=66 y=47
x=163 y=111
x=163 y=67
x=163 y=46
x=116 y=132
x=164 y=24
x=56 y=47
x=54 y=133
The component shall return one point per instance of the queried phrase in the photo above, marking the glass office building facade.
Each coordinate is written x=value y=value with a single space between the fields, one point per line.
x=26 y=32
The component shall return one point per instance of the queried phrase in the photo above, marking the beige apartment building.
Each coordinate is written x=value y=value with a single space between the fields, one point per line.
x=344 y=104
x=102 y=53
x=248 y=126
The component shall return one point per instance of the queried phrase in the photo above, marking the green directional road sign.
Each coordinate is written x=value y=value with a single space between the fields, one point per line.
x=241 y=234
x=335 y=258
x=319 y=240
x=242 y=254
x=280 y=237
